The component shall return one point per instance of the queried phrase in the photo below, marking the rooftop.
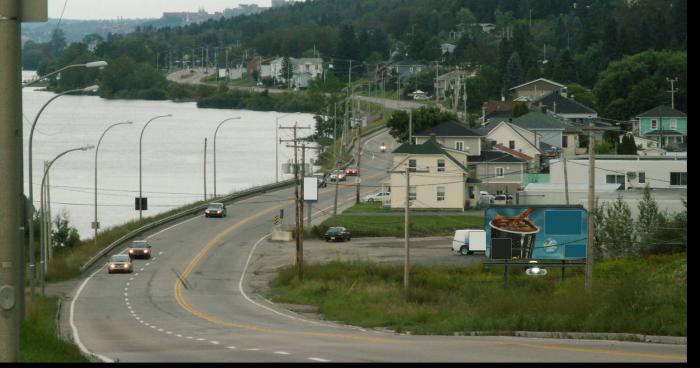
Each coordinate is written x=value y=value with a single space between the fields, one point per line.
x=559 y=104
x=540 y=80
x=539 y=120
x=449 y=129
x=494 y=156
x=662 y=111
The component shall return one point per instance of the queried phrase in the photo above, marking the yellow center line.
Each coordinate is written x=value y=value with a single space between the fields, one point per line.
x=177 y=289
x=608 y=352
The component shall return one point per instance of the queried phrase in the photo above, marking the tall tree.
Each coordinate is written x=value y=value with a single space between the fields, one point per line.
x=514 y=72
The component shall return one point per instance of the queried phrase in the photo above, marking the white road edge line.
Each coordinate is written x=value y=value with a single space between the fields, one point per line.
x=318 y=360
x=71 y=319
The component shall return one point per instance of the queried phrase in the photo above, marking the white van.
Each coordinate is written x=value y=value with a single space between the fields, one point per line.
x=467 y=242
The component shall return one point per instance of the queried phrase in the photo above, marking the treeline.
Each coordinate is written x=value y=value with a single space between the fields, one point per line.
x=241 y=100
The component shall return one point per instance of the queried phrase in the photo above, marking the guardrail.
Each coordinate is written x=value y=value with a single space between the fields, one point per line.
x=134 y=233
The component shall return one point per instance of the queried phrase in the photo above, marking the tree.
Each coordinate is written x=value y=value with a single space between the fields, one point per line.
x=514 y=72
x=627 y=146
x=564 y=71
x=64 y=235
x=648 y=221
x=287 y=71
x=618 y=235
x=423 y=118
x=58 y=42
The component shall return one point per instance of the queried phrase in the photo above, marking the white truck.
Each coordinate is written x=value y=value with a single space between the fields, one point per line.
x=466 y=242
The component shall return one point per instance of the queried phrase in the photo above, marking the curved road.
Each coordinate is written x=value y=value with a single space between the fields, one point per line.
x=152 y=316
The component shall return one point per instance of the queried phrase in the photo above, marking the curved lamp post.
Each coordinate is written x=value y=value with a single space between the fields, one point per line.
x=95 y=225
x=93 y=64
x=30 y=212
x=43 y=262
x=215 y=133
x=140 y=165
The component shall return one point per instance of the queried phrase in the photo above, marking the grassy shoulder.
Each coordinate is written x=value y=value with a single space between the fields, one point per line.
x=370 y=220
x=39 y=339
x=645 y=296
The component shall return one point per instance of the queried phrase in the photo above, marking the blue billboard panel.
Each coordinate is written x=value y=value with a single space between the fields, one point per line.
x=536 y=232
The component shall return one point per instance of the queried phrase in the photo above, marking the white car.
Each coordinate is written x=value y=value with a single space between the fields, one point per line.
x=500 y=199
x=377 y=197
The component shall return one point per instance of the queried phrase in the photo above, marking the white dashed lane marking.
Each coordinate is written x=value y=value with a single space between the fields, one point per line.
x=215 y=342
x=200 y=339
x=231 y=347
x=254 y=349
x=282 y=353
x=319 y=360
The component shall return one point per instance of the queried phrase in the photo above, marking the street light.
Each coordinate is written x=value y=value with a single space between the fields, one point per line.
x=30 y=212
x=93 y=64
x=43 y=261
x=140 y=150
x=277 y=144
x=95 y=224
x=215 y=133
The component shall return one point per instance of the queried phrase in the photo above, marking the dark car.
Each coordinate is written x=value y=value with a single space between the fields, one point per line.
x=215 y=210
x=120 y=263
x=140 y=249
x=322 y=180
x=338 y=234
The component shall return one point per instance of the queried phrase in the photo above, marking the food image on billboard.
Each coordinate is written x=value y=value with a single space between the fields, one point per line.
x=536 y=232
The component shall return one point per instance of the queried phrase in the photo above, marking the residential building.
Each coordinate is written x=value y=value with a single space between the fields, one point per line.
x=571 y=141
x=487 y=27
x=498 y=110
x=408 y=68
x=567 y=108
x=498 y=172
x=450 y=81
x=453 y=135
x=665 y=125
x=659 y=172
x=447 y=48
x=303 y=71
x=536 y=89
x=548 y=127
x=445 y=185
x=515 y=138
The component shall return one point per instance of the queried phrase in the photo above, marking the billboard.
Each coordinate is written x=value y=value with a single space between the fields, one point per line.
x=311 y=189
x=536 y=232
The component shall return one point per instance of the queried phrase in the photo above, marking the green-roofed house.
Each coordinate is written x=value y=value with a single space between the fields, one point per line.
x=550 y=129
x=665 y=125
x=445 y=185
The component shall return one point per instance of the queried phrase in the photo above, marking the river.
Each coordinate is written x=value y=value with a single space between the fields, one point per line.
x=173 y=153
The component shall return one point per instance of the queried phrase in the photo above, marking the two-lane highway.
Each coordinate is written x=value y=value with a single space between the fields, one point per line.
x=190 y=302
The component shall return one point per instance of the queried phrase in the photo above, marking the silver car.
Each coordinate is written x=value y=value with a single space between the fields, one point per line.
x=120 y=263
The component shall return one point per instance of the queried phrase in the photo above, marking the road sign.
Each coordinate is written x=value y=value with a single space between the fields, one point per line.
x=277 y=220
x=95 y=225
x=141 y=203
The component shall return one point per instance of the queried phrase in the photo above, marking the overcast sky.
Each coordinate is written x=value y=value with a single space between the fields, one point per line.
x=112 y=9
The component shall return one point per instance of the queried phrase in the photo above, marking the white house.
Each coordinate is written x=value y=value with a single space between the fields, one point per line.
x=453 y=135
x=659 y=172
x=303 y=70
x=515 y=138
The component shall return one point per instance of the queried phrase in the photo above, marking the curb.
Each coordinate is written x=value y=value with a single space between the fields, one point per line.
x=611 y=336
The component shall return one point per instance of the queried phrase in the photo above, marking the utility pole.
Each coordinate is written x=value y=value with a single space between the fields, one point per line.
x=205 y=169
x=591 y=206
x=407 y=225
x=673 y=91
x=358 y=180
x=299 y=195
x=410 y=126
x=566 y=178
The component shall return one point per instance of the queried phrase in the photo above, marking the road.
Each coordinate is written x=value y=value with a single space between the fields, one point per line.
x=186 y=76
x=218 y=316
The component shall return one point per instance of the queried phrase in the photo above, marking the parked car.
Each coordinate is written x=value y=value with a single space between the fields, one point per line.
x=338 y=234
x=466 y=242
x=120 y=263
x=352 y=171
x=484 y=196
x=215 y=210
x=140 y=249
x=322 y=182
x=377 y=197
x=500 y=199
x=338 y=175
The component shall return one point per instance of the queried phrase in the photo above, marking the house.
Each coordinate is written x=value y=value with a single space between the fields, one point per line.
x=571 y=141
x=453 y=135
x=665 y=125
x=629 y=171
x=567 y=108
x=447 y=48
x=303 y=70
x=487 y=27
x=449 y=82
x=498 y=172
x=515 y=138
x=498 y=110
x=445 y=185
x=408 y=68
x=548 y=127
x=536 y=89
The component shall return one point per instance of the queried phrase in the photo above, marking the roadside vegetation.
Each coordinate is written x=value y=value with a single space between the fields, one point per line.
x=39 y=338
x=630 y=295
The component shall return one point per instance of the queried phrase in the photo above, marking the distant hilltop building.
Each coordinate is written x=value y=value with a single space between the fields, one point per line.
x=202 y=16
x=281 y=3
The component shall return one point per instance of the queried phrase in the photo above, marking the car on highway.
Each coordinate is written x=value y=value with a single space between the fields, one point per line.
x=335 y=234
x=140 y=249
x=120 y=263
x=338 y=175
x=352 y=171
x=377 y=197
x=215 y=210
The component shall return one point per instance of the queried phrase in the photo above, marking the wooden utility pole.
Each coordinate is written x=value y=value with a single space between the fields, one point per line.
x=566 y=178
x=407 y=226
x=358 y=180
x=591 y=206
x=205 y=169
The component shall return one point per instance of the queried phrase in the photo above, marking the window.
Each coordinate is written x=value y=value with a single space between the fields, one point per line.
x=511 y=144
x=412 y=165
x=440 y=194
x=459 y=146
x=654 y=124
x=679 y=178
x=500 y=172
x=565 y=141
x=674 y=124
x=642 y=177
x=441 y=165
x=616 y=179
x=412 y=193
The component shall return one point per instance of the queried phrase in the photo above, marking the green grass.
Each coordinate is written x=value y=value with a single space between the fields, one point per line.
x=364 y=225
x=645 y=296
x=39 y=340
